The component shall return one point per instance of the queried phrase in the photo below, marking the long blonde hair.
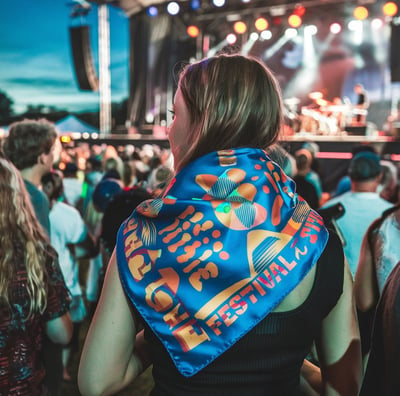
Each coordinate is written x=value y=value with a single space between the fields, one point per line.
x=21 y=240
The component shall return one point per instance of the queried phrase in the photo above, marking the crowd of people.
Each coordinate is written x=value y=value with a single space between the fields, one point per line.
x=213 y=261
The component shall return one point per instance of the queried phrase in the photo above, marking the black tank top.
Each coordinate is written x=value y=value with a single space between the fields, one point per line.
x=267 y=360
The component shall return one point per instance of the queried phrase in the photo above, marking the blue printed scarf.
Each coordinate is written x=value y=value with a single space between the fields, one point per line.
x=210 y=260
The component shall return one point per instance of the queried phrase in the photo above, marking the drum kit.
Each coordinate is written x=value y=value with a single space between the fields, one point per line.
x=321 y=117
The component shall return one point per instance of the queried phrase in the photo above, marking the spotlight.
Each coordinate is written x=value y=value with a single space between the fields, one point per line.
x=152 y=11
x=173 y=8
x=195 y=4
x=277 y=21
x=390 y=9
x=261 y=24
x=311 y=30
x=376 y=23
x=299 y=10
x=192 y=31
x=254 y=36
x=354 y=25
x=231 y=38
x=219 y=3
x=294 y=21
x=290 y=33
x=360 y=13
x=239 y=27
x=335 y=28
x=266 y=35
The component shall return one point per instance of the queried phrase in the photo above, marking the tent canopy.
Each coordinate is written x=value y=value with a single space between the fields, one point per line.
x=74 y=124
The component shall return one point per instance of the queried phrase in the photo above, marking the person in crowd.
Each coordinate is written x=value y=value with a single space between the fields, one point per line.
x=380 y=252
x=315 y=175
x=382 y=372
x=159 y=179
x=92 y=218
x=34 y=299
x=71 y=240
x=361 y=106
x=362 y=205
x=344 y=183
x=304 y=187
x=232 y=275
x=102 y=195
x=388 y=187
x=117 y=210
x=33 y=147
x=73 y=186
x=280 y=154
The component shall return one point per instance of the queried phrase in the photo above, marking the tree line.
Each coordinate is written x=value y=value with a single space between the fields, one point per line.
x=52 y=113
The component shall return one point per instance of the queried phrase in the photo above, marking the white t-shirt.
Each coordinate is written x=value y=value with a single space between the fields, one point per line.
x=67 y=226
x=361 y=209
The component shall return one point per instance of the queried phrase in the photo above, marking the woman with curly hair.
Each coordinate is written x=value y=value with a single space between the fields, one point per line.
x=34 y=300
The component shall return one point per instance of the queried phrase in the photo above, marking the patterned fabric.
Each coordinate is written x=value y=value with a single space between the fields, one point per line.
x=21 y=367
x=386 y=248
x=219 y=252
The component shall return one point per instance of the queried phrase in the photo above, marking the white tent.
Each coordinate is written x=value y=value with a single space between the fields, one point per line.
x=72 y=124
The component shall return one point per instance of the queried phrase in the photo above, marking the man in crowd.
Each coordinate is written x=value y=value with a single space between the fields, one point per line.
x=361 y=205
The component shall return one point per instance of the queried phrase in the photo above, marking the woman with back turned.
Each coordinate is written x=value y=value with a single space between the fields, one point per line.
x=231 y=274
x=34 y=300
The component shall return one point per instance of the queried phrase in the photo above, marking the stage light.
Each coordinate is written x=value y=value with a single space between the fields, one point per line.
x=261 y=24
x=231 y=38
x=152 y=11
x=290 y=33
x=192 y=31
x=376 y=23
x=65 y=139
x=390 y=9
x=219 y=3
x=311 y=30
x=354 y=25
x=277 y=21
x=195 y=4
x=299 y=10
x=294 y=21
x=357 y=29
x=248 y=45
x=335 y=28
x=239 y=27
x=266 y=35
x=360 y=13
x=173 y=8
x=245 y=1
x=254 y=36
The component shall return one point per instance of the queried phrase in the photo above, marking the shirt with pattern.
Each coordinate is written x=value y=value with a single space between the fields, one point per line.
x=21 y=367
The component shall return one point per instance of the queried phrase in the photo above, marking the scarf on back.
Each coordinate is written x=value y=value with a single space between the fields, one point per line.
x=227 y=243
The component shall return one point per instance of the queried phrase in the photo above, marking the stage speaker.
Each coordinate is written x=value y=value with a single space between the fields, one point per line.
x=394 y=52
x=85 y=71
x=357 y=130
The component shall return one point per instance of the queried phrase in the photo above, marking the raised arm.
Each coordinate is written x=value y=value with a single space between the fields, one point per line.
x=108 y=362
x=338 y=346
